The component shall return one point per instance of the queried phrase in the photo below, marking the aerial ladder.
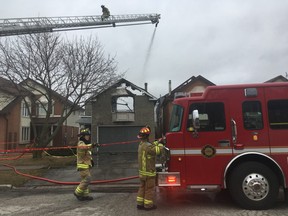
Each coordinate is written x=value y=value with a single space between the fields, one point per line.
x=19 y=26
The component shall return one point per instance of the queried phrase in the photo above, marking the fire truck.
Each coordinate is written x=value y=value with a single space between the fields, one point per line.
x=231 y=137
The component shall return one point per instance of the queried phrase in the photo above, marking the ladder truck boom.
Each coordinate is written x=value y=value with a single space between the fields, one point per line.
x=19 y=26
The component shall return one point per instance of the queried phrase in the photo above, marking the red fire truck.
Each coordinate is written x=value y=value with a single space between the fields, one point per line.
x=231 y=137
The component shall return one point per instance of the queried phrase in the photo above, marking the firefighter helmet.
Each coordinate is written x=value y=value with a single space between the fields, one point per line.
x=144 y=132
x=84 y=131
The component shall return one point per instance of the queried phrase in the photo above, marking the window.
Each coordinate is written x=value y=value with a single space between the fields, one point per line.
x=24 y=110
x=42 y=108
x=278 y=114
x=25 y=134
x=176 y=118
x=252 y=115
x=211 y=116
x=123 y=104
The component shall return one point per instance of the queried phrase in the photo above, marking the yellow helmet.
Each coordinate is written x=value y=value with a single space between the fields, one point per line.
x=84 y=131
x=144 y=132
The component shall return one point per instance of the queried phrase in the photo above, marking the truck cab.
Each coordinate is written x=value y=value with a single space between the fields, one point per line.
x=232 y=137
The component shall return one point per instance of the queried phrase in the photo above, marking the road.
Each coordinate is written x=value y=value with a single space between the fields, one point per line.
x=60 y=201
x=42 y=198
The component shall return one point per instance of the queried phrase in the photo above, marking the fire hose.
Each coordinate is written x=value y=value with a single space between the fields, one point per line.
x=55 y=181
x=67 y=183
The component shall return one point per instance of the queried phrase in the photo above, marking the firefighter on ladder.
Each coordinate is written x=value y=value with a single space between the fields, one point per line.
x=147 y=153
x=105 y=12
x=84 y=164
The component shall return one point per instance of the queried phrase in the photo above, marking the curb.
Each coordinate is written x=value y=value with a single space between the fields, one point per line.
x=105 y=188
x=6 y=187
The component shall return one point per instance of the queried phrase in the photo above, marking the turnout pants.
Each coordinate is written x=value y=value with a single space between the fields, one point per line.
x=82 y=189
x=146 y=192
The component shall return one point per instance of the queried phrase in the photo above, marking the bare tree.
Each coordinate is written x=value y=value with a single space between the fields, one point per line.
x=73 y=69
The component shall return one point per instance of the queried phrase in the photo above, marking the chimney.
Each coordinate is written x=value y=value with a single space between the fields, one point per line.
x=146 y=86
x=169 y=87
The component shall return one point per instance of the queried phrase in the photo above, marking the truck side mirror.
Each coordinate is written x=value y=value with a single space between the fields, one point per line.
x=196 y=122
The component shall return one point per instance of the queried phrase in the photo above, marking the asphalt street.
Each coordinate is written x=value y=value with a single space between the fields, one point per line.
x=119 y=198
x=60 y=201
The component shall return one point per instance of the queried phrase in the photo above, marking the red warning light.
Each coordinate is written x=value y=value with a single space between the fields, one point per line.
x=171 y=179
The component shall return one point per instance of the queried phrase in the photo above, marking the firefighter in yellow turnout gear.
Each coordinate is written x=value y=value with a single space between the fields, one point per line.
x=84 y=164
x=147 y=153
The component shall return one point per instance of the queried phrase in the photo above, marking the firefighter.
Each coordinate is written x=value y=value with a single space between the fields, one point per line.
x=147 y=171
x=105 y=12
x=84 y=164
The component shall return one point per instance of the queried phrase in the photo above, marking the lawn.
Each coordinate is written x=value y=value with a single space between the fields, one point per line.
x=28 y=165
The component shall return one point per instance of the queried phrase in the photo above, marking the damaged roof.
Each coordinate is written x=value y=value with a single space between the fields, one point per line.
x=125 y=91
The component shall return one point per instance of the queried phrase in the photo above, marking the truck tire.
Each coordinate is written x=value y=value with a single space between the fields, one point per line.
x=253 y=186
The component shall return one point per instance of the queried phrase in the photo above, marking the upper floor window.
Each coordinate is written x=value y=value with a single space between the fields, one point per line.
x=24 y=110
x=123 y=104
x=42 y=108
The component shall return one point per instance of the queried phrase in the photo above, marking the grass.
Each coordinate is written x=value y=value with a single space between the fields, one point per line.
x=28 y=165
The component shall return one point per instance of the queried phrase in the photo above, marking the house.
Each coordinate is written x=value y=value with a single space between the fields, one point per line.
x=15 y=122
x=192 y=86
x=279 y=78
x=67 y=135
x=14 y=127
x=118 y=113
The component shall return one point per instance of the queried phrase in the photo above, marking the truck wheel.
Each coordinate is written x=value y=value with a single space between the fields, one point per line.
x=253 y=186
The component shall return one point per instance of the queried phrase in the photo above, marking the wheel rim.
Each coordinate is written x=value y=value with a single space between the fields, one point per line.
x=255 y=186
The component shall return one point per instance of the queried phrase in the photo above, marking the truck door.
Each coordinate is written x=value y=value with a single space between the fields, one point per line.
x=208 y=149
x=247 y=113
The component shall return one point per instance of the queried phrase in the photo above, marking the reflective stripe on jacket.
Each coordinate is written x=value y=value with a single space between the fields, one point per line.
x=147 y=158
x=84 y=155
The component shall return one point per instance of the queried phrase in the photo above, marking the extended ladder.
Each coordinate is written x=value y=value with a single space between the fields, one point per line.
x=18 y=26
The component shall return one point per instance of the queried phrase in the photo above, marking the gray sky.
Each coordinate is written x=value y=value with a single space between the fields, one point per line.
x=225 y=41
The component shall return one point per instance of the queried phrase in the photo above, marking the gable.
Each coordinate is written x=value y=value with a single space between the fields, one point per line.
x=5 y=99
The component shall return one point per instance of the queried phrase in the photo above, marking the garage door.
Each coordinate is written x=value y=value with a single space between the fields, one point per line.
x=114 y=134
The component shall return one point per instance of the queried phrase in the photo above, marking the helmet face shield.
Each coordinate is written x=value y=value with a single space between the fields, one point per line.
x=142 y=136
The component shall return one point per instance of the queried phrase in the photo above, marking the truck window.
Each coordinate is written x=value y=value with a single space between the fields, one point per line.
x=176 y=118
x=278 y=114
x=252 y=115
x=211 y=116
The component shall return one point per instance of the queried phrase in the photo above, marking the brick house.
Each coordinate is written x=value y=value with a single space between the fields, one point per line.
x=67 y=135
x=118 y=113
x=15 y=122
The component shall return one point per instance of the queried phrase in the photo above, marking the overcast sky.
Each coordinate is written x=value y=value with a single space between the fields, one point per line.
x=225 y=41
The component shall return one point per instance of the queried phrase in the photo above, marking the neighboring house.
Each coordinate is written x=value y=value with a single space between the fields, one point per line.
x=69 y=129
x=192 y=86
x=279 y=78
x=118 y=113
x=15 y=122
x=14 y=127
